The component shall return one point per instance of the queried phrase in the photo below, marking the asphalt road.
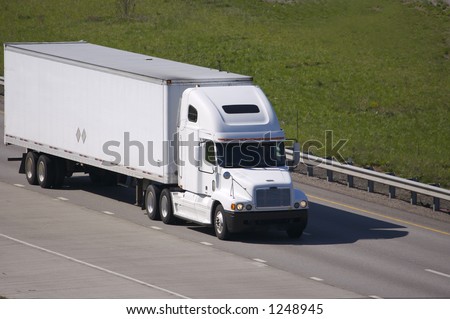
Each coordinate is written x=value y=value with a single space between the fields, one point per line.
x=91 y=242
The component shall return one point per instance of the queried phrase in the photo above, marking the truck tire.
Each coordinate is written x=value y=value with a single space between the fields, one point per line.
x=165 y=207
x=45 y=170
x=152 y=202
x=30 y=167
x=220 y=225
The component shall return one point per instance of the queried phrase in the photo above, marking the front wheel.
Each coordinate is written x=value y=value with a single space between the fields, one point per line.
x=220 y=225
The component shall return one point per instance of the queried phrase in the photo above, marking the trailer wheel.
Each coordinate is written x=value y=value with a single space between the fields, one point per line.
x=45 y=171
x=165 y=207
x=220 y=225
x=30 y=167
x=152 y=202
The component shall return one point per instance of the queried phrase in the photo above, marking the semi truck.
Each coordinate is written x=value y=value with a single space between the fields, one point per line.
x=199 y=144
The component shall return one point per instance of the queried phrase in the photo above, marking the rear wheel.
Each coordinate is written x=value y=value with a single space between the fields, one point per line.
x=152 y=202
x=165 y=207
x=220 y=225
x=30 y=167
x=45 y=171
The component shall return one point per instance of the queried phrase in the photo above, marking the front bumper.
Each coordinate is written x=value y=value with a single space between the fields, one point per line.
x=240 y=221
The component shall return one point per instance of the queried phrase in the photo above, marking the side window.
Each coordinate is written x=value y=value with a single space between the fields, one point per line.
x=192 y=114
x=210 y=154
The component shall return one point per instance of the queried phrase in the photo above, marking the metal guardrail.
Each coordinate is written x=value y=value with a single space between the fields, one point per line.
x=372 y=177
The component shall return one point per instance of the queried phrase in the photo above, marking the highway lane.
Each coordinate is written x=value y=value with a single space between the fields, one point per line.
x=356 y=245
x=54 y=249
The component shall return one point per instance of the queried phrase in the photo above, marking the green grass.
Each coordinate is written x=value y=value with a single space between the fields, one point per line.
x=376 y=72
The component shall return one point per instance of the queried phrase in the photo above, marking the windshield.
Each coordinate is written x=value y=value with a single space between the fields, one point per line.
x=250 y=154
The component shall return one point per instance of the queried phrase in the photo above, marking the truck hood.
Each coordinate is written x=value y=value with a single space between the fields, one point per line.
x=253 y=178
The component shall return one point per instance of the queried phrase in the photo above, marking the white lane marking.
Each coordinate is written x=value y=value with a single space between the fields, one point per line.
x=375 y=297
x=206 y=243
x=62 y=198
x=107 y=213
x=259 y=260
x=19 y=185
x=316 y=278
x=156 y=227
x=94 y=266
x=438 y=273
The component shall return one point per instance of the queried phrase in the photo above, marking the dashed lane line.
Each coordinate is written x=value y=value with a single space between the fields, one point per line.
x=206 y=243
x=259 y=260
x=54 y=253
x=438 y=273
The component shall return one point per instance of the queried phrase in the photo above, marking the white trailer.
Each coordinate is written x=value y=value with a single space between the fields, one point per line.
x=202 y=145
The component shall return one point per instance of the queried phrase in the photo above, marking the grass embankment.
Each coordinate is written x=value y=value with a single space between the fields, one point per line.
x=376 y=72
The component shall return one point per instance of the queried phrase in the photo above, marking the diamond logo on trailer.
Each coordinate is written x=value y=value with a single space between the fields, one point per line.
x=81 y=135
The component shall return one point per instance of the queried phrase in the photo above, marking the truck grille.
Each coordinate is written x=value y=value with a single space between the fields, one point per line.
x=273 y=197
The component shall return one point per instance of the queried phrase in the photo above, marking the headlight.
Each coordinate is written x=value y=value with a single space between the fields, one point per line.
x=248 y=207
x=304 y=204
x=240 y=206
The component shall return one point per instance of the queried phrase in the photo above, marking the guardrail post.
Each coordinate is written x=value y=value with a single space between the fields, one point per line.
x=391 y=191
x=413 y=198
x=309 y=170
x=370 y=186
x=350 y=181
x=2 y=85
x=436 y=204
x=329 y=175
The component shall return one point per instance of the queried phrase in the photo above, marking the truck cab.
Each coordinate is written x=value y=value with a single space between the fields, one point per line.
x=232 y=171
